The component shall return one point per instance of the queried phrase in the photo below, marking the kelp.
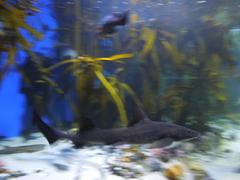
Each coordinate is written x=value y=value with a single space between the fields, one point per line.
x=86 y=70
x=114 y=94
x=149 y=36
x=176 y=56
x=81 y=59
x=12 y=18
x=181 y=73
x=178 y=71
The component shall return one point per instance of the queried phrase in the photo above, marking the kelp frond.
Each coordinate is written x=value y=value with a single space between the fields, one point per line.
x=12 y=19
x=176 y=55
x=115 y=96
x=86 y=69
x=149 y=36
x=68 y=61
x=82 y=59
x=115 y=57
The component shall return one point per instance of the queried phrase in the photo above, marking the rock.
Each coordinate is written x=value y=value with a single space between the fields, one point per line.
x=66 y=153
x=60 y=167
x=22 y=149
x=164 y=154
x=166 y=157
x=154 y=176
x=126 y=159
x=209 y=141
x=132 y=148
x=10 y=173
x=189 y=147
x=227 y=151
x=237 y=170
x=126 y=170
x=198 y=171
x=138 y=156
x=4 y=171
x=4 y=177
x=174 y=172
x=196 y=167
x=114 y=177
x=153 y=164
x=232 y=137
x=17 y=174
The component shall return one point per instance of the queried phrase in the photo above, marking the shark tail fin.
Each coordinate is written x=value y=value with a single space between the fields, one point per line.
x=50 y=134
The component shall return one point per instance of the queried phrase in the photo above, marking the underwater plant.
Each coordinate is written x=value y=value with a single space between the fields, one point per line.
x=178 y=70
x=181 y=73
x=86 y=71
x=12 y=22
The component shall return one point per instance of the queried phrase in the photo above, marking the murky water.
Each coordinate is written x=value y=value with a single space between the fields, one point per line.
x=119 y=74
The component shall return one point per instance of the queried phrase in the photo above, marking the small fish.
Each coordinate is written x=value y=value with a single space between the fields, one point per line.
x=109 y=23
x=143 y=132
x=68 y=53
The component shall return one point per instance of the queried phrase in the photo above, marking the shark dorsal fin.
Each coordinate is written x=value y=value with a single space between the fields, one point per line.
x=86 y=124
x=140 y=117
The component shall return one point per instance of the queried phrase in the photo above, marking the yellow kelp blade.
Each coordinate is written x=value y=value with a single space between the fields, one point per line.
x=176 y=55
x=90 y=60
x=23 y=41
x=31 y=30
x=17 y=19
x=221 y=96
x=11 y=55
x=149 y=36
x=115 y=96
x=52 y=83
x=68 y=61
x=115 y=57
x=127 y=88
x=168 y=34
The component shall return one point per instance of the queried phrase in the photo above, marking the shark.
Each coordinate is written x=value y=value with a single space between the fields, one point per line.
x=145 y=131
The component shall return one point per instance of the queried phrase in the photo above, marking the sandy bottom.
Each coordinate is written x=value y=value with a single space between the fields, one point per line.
x=62 y=162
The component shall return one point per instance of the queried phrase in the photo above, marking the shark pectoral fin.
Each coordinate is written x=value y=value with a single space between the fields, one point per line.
x=163 y=142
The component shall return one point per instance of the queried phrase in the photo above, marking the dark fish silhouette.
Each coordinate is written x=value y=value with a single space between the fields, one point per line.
x=145 y=131
x=109 y=23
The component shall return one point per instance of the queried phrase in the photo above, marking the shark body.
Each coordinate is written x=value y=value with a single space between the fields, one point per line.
x=142 y=132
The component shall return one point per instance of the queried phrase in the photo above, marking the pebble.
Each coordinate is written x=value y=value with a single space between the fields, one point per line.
x=153 y=164
x=17 y=174
x=163 y=154
x=237 y=170
x=60 y=167
x=174 y=172
x=189 y=147
x=154 y=176
x=125 y=162
x=126 y=159
x=126 y=170
x=134 y=157
x=227 y=151
x=198 y=171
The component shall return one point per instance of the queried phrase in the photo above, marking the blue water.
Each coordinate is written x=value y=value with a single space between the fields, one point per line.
x=12 y=102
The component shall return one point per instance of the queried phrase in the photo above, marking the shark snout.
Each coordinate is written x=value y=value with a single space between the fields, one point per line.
x=190 y=134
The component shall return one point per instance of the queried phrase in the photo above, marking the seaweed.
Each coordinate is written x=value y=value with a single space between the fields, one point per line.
x=180 y=73
x=86 y=71
x=12 y=20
